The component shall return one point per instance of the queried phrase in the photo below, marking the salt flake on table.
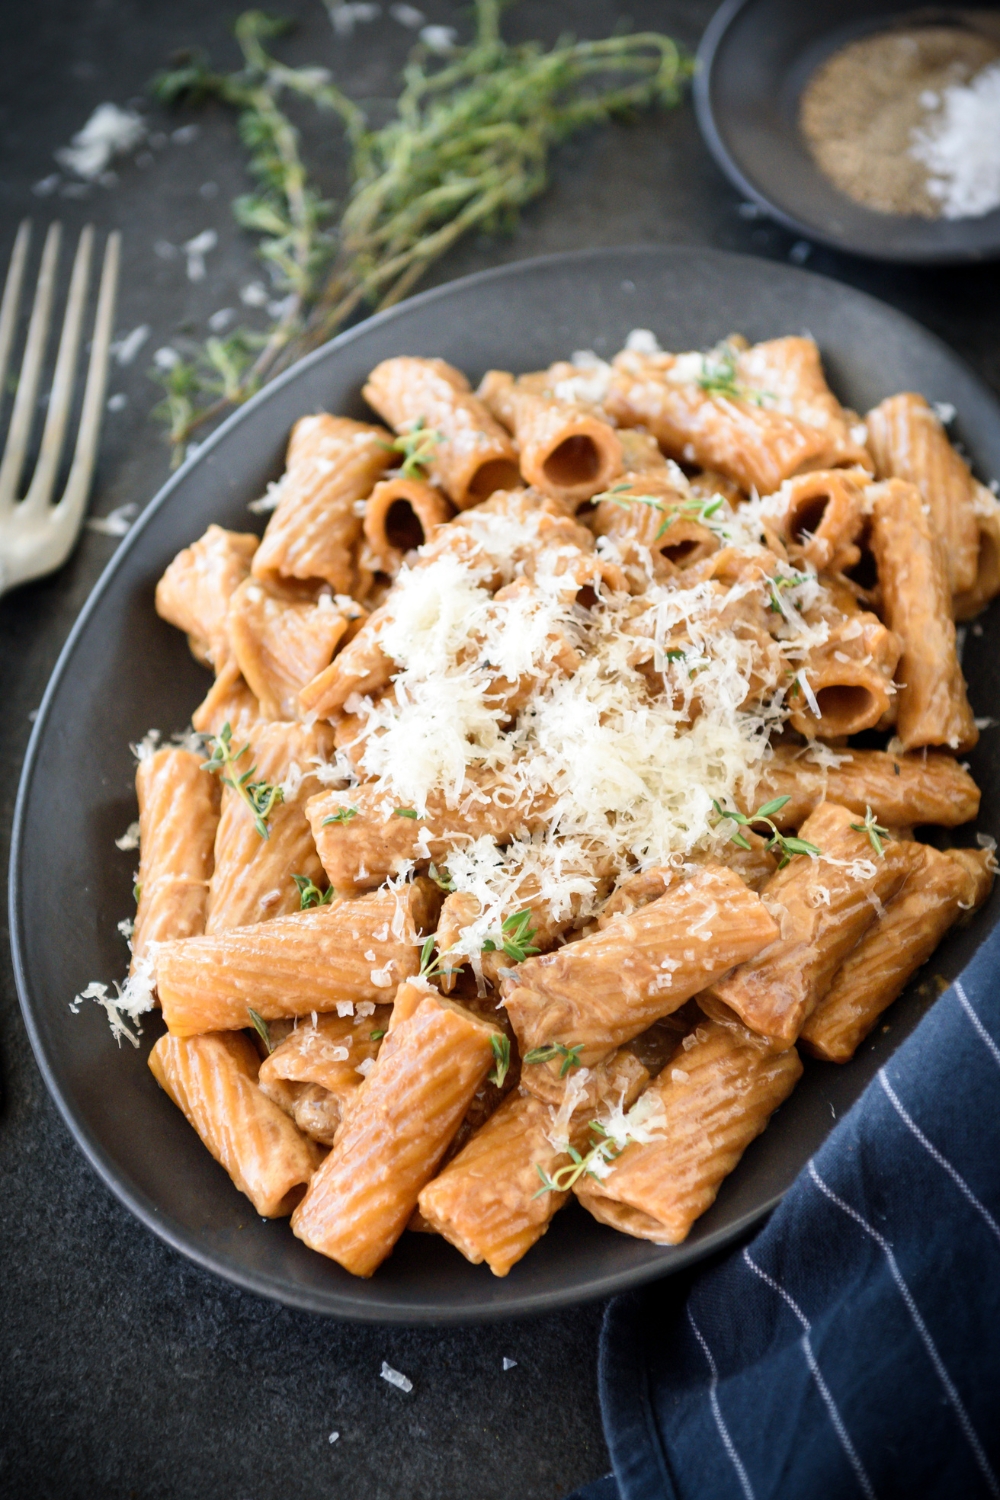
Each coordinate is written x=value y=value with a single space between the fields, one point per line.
x=394 y=1377
x=109 y=132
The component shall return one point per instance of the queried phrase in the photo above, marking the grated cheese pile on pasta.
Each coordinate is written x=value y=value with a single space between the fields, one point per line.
x=523 y=837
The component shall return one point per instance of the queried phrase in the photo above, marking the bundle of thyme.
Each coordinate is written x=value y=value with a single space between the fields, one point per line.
x=467 y=149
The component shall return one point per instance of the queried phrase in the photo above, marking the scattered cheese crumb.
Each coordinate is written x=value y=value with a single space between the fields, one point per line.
x=129 y=839
x=509 y=1364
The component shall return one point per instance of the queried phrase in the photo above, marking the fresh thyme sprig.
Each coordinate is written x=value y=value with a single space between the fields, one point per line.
x=431 y=968
x=501 y=1053
x=467 y=149
x=517 y=934
x=260 y=1026
x=569 y=1055
x=604 y=1150
x=343 y=816
x=692 y=509
x=417 y=446
x=783 y=581
x=786 y=843
x=876 y=833
x=719 y=378
x=260 y=797
x=310 y=893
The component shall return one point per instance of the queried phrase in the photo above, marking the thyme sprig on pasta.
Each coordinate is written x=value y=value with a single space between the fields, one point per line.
x=343 y=816
x=467 y=148
x=604 y=1150
x=430 y=967
x=417 y=446
x=718 y=378
x=260 y=1026
x=695 y=508
x=876 y=833
x=260 y=797
x=569 y=1055
x=788 y=844
x=310 y=893
x=501 y=1053
x=516 y=940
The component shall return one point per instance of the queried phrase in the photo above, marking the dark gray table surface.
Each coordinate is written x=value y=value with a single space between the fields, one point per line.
x=125 y=1371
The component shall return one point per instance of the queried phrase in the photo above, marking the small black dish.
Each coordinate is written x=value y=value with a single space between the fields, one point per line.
x=754 y=61
x=123 y=669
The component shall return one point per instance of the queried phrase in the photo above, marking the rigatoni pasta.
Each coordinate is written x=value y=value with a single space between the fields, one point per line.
x=517 y=849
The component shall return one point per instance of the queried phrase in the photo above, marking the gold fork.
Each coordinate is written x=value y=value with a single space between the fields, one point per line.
x=37 y=536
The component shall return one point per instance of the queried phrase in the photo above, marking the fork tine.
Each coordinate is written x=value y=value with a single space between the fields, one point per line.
x=74 y=499
x=12 y=298
x=61 y=399
x=31 y=369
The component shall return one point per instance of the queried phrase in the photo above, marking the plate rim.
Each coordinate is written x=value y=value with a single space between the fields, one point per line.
x=711 y=40
x=331 y=1303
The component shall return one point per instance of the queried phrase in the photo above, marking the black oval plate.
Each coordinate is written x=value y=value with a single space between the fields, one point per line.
x=123 y=670
x=753 y=62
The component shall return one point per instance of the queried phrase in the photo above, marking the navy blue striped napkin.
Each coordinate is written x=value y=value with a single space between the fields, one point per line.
x=852 y=1348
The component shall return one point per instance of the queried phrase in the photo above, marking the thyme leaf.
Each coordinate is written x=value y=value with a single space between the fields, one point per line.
x=259 y=797
x=343 y=816
x=876 y=833
x=501 y=1053
x=417 y=445
x=569 y=1055
x=310 y=894
x=260 y=1026
x=404 y=812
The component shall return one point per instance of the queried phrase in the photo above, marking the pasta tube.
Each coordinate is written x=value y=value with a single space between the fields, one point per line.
x=195 y=591
x=822 y=517
x=908 y=442
x=825 y=905
x=589 y=997
x=845 y=684
x=566 y=450
x=712 y=1101
x=361 y=667
x=313 y=1073
x=332 y=464
x=178 y=816
x=486 y=1201
x=937 y=893
x=411 y=1105
x=252 y=880
x=654 y=512
x=363 y=836
x=932 y=706
x=350 y=950
x=900 y=789
x=228 y=701
x=470 y=455
x=757 y=415
x=400 y=515
x=987 y=581
x=281 y=641
x=213 y=1080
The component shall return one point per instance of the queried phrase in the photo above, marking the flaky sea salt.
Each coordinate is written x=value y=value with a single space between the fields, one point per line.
x=394 y=1377
x=960 y=147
